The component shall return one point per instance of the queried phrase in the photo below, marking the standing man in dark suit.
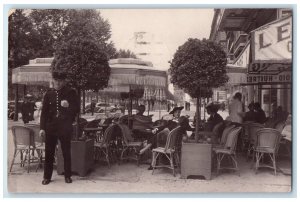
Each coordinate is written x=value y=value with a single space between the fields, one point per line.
x=60 y=107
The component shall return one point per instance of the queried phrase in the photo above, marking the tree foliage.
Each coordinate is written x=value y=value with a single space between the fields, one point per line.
x=198 y=65
x=122 y=53
x=85 y=65
x=56 y=25
x=20 y=37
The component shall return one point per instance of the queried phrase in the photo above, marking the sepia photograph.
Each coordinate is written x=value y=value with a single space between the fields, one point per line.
x=182 y=100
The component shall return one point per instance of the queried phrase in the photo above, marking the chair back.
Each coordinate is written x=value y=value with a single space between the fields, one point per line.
x=126 y=133
x=280 y=125
x=22 y=136
x=217 y=128
x=172 y=138
x=253 y=128
x=108 y=134
x=36 y=131
x=231 y=140
x=268 y=138
x=225 y=133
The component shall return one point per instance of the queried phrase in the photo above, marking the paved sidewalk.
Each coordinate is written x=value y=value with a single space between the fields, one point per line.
x=129 y=178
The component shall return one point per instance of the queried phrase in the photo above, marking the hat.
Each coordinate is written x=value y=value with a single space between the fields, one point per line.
x=58 y=75
x=175 y=109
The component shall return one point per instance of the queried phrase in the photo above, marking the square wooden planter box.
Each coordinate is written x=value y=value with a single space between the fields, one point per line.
x=82 y=157
x=196 y=160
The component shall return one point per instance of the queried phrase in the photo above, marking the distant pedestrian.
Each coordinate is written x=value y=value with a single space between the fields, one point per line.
x=32 y=109
x=93 y=106
x=26 y=110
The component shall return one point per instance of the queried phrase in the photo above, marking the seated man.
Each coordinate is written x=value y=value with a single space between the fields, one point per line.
x=141 y=124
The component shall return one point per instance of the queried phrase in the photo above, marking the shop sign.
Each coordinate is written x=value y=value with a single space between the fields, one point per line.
x=269 y=68
x=285 y=77
x=273 y=42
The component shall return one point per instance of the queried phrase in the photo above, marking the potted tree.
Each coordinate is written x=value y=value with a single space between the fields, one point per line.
x=197 y=66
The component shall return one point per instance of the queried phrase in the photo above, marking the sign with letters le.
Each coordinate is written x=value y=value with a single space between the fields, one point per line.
x=273 y=42
x=271 y=47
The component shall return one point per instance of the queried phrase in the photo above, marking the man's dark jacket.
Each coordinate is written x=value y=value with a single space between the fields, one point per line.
x=55 y=119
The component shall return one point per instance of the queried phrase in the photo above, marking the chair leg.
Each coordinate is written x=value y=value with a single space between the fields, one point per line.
x=154 y=158
x=274 y=163
x=218 y=163
x=107 y=157
x=172 y=164
x=13 y=160
x=28 y=160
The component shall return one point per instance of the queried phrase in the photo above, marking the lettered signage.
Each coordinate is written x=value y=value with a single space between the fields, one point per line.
x=273 y=42
x=285 y=77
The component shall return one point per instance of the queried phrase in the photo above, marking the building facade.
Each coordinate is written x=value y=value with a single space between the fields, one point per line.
x=258 y=43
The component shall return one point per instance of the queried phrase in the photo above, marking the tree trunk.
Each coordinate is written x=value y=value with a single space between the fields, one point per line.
x=16 y=102
x=78 y=115
x=197 y=120
x=83 y=102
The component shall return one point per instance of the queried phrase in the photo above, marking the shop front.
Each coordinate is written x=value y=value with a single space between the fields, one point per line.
x=270 y=68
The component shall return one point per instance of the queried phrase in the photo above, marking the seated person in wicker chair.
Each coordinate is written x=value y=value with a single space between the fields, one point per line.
x=161 y=137
x=214 y=117
x=141 y=124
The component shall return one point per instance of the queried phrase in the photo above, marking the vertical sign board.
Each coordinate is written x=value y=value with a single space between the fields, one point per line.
x=271 y=47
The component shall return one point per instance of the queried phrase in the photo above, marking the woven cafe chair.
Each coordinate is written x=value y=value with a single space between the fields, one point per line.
x=39 y=143
x=169 y=151
x=24 y=144
x=267 y=144
x=130 y=148
x=228 y=150
x=253 y=128
x=103 y=147
x=225 y=134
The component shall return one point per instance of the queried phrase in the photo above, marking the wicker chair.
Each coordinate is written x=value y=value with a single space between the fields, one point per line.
x=39 y=143
x=225 y=134
x=229 y=150
x=169 y=151
x=103 y=147
x=253 y=128
x=23 y=138
x=267 y=143
x=130 y=148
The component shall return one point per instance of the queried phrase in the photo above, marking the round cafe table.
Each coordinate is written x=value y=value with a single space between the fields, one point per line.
x=95 y=131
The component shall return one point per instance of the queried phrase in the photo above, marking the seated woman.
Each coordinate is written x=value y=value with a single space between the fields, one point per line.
x=161 y=137
x=141 y=124
x=214 y=117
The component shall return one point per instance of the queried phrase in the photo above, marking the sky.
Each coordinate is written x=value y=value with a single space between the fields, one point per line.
x=166 y=28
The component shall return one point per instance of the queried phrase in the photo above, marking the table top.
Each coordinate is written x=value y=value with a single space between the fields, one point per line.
x=93 y=129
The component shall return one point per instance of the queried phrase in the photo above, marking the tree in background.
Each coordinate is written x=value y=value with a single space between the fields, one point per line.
x=198 y=66
x=56 y=25
x=122 y=53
